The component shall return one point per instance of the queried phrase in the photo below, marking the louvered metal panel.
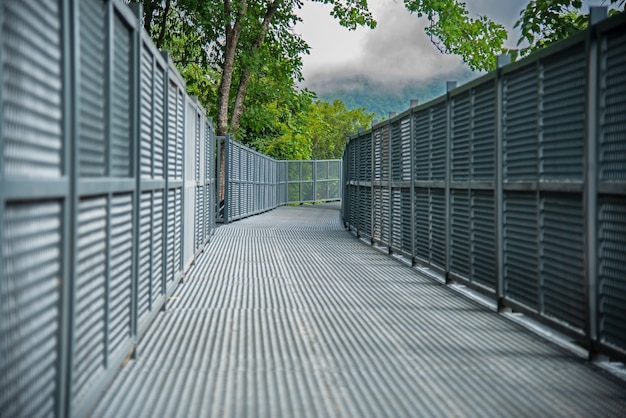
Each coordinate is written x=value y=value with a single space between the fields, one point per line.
x=367 y=147
x=483 y=238
x=561 y=258
x=385 y=226
x=172 y=110
x=159 y=122
x=378 y=144
x=422 y=223
x=460 y=233
x=31 y=90
x=198 y=150
x=562 y=145
x=422 y=144
x=438 y=138
x=30 y=292
x=612 y=270
x=365 y=194
x=91 y=138
x=520 y=248
x=178 y=230
x=406 y=221
x=612 y=150
x=146 y=113
x=180 y=134
x=438 y=227
x=520 y=125
x=199 y=218
x=396 y=218
x=405 y=136
x=377 y=232
x=483 y=133
x=170 y=235
x=89 y=354
x=158 y=252
x=145 y=254
x=461 y=140
x=120 y=270
x=396 y=152
x=121 y=98
x=385 y=150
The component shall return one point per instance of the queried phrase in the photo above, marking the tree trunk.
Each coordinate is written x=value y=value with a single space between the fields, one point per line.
x=166 y=11
x=247 y=72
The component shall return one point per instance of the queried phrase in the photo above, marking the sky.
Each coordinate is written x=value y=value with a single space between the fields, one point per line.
x=395 y=53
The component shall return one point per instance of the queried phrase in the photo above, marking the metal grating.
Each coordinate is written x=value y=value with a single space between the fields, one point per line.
x=88 y=355
x=146 y=224
x=146 y=113
x=365 y=194
x=483 y=238
x=120 y=270
x=612 y=270
x=178 y=230
x=377 y=232
x=460 y=233
x=438 y=138
x=377 y=135
x=520 y=125
x=385 y=150
x=461 y=140
x=483 y=133
x=422 y=144
x=561 y=258
x=30 y=318
x=31 y=89
x=520 y=248
x=159 y=125
x=563 y=114
x=612 y=150
x=121 y=98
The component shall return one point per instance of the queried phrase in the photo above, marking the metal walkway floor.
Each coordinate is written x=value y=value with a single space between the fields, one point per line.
x=289 y=315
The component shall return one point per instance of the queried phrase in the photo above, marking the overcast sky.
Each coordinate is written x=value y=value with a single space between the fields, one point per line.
x=395 y=53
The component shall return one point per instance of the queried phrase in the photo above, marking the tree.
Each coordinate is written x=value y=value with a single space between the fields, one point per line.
x=479 y=41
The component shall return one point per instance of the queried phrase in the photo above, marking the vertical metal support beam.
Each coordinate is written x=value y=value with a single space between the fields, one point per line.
x=69 y=73
x=110 y=47
x=135 y=163
x=450 y=85
x=499 y=184
x=539 y=209
x=372 y=189
x=595 y=86
x=166 y=167
x=389 y=185
x=227 y=202
x=412 y=176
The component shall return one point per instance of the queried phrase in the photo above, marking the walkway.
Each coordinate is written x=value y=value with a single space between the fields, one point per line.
x=289 y=315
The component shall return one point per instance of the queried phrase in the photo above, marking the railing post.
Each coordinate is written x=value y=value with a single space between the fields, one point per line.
x=590 y=194
x=414 y=103
x=499 y=184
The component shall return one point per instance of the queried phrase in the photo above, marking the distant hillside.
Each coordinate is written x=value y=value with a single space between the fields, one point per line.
x=380 y=100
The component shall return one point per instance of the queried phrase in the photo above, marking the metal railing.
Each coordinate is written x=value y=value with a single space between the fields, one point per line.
x=107 y=196
x=107 y=193
x=256 y=183
x=514 y=185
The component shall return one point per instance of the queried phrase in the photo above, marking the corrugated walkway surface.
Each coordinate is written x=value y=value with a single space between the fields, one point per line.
x=289 y=315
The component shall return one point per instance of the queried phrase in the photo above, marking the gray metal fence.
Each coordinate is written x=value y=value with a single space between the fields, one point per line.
x=513 y=184
x=256 y=183
x=106 y=180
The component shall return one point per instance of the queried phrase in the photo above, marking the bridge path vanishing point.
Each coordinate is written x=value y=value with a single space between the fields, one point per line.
x=287 y=314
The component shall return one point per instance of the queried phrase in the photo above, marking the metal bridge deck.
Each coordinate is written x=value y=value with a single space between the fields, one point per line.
x=289 y=315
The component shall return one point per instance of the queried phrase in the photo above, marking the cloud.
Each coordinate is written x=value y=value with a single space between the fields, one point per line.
x=395 y=54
